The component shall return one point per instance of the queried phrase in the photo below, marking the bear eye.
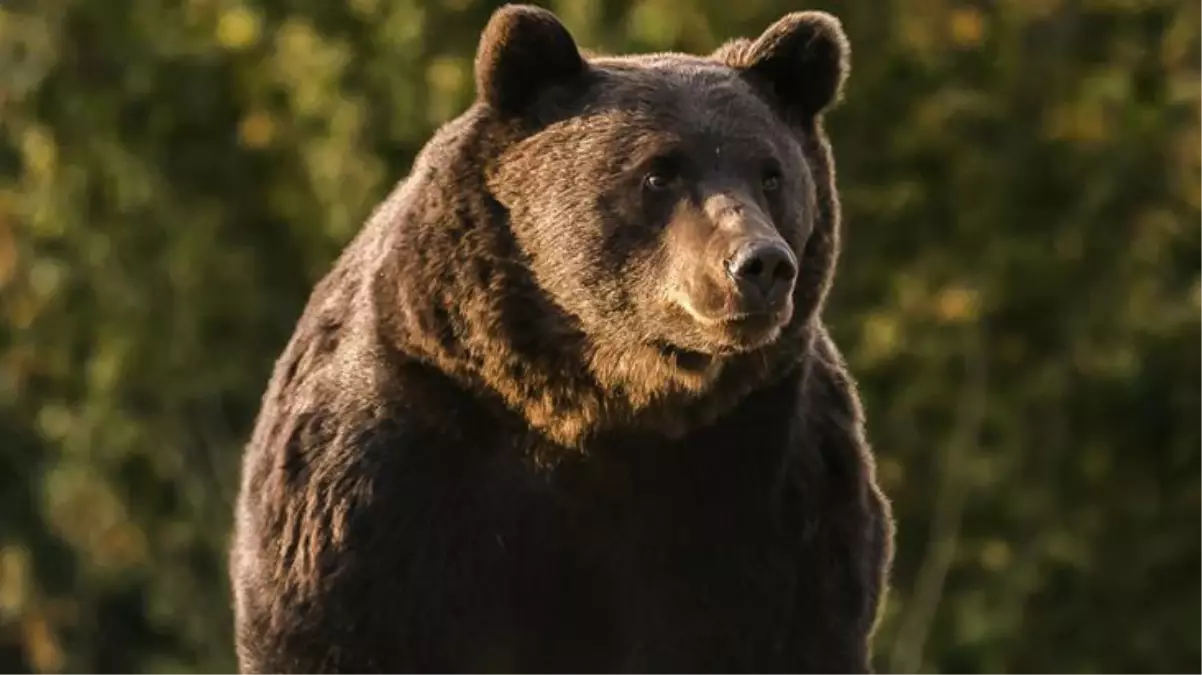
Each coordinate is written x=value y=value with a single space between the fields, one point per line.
x=658 y=181
x=663 y=173
x=771 y=180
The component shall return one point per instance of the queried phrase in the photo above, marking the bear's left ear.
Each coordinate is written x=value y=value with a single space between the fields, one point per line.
x=523 y=50
x=802 y=60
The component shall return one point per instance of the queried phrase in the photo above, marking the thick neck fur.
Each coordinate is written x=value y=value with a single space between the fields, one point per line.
x=458 y=295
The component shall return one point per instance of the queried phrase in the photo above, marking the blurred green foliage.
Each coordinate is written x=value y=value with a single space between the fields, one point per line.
x=1019 y=297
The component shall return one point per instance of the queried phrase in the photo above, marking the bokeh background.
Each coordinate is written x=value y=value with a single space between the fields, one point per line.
x=1019 y=297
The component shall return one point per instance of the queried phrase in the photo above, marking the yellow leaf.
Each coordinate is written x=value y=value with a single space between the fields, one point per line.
x=14 y=579
x=41 y=153
x=956 y=304
x=41 y=645
x=967 y=27
x=238 y=28
x=256 y=130
x=880 y=337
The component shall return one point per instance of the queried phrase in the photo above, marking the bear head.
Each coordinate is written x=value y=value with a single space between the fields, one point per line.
x=663 y=227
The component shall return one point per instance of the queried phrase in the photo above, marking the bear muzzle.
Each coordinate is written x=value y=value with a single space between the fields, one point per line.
x=744 y=303
x=734 y=274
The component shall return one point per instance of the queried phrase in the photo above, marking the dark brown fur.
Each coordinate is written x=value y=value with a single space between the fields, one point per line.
x=517 y=429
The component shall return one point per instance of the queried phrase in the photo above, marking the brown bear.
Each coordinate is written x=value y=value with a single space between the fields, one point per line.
x=567 y=403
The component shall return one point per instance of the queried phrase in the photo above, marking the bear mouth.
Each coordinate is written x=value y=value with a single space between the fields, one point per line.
x=738 y=331
x=697 y=361
x=687 y=359
x=718 y=338
x=730 y=337
x=749 y=332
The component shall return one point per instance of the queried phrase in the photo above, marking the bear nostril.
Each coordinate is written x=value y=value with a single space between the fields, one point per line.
x=764 y=266
x=753 y=268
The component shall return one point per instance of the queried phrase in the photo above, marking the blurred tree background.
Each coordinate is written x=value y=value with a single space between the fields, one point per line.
x=1019 y=297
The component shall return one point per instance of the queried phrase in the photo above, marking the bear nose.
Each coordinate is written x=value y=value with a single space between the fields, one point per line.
x=766 y=267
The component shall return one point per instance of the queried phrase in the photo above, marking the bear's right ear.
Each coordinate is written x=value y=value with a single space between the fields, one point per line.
x=523 y=50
